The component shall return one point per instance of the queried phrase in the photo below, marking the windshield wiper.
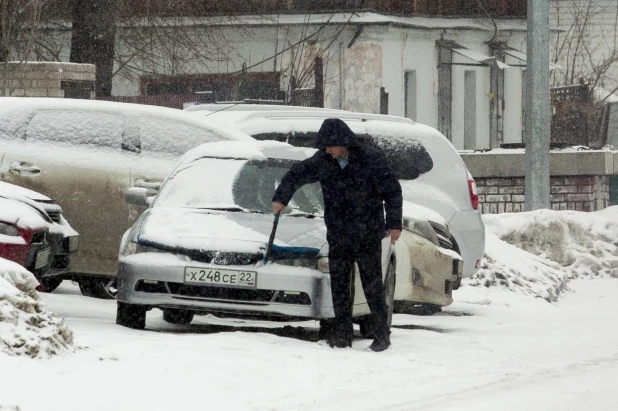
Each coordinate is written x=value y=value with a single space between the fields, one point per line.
x=232 y=209
x=298 y=213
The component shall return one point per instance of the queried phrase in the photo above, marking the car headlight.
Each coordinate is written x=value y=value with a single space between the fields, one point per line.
x=9 y=229
x=132 y=247
x=299 y=262
x=320 y=264
x=71 y=244
x=323 y=265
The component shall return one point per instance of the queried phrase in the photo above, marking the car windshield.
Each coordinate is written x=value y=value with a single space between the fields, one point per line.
x=236 y=185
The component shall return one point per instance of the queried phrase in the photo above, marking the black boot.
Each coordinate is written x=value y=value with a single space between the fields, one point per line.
x=380 y=344
x=336 y=341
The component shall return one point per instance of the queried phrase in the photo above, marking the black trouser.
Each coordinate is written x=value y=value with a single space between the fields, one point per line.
x=367 y=255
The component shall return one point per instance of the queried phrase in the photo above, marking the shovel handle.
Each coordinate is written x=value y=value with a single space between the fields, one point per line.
x=271 y=239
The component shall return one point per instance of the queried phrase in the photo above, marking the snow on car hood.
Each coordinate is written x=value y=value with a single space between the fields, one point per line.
x=228 y=231
x=422 y=213
x=40 y=203
x=20 y=215
x=14 y=190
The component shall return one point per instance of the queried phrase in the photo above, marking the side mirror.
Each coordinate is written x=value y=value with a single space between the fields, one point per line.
x=137 y=196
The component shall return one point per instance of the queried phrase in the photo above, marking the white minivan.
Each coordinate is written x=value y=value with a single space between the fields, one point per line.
x=431 y=171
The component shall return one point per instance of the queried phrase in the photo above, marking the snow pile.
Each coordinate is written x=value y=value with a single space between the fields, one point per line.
x=537 y=252
x=26 y=328
x=585 y=244
x=517 y=270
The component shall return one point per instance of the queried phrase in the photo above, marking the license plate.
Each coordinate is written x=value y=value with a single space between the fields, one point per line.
x=222 y=277
x=42 y=258
x=73 y=243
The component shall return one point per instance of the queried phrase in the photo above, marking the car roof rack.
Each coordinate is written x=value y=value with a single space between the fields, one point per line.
x=327 y=113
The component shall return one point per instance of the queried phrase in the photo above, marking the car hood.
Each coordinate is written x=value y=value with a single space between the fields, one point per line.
x=210 y=230
x=21 y=215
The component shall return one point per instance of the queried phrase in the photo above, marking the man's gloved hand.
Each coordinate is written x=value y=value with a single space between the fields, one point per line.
x=393 y=234
x=278 y=208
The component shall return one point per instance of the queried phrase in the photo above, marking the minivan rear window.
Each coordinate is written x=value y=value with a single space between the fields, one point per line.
x=406 y=156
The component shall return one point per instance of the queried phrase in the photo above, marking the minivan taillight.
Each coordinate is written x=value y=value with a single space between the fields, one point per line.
x=474 y=197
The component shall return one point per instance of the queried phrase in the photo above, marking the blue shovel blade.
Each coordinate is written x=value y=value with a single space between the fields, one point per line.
x=283 y=253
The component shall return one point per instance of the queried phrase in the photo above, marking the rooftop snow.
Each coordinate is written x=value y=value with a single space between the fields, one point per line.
x=347 y=18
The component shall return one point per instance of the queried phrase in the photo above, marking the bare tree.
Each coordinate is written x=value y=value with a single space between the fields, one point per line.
x=19 y=23
x=157 y=44
x=587 y=48
x=315 y=43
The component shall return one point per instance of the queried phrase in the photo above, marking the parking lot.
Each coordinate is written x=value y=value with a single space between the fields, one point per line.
x=491 y=348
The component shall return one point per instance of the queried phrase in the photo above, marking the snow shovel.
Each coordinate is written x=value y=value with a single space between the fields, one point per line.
x=280 y=252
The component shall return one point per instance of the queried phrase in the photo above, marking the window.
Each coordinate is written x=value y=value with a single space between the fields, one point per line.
x=410 y=94
x=77 y=127
x=225 y=87
x=157 y=89
x=164 y=135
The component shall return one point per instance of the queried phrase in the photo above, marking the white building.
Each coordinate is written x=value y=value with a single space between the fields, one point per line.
x=437 y=71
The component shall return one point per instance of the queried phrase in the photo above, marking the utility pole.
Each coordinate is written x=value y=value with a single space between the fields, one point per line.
x=537 y=102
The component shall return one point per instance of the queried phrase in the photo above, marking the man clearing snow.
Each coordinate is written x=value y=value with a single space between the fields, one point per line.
x=358 y=186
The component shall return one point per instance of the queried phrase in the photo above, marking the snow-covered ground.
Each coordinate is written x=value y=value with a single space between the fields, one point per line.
x=533 y=330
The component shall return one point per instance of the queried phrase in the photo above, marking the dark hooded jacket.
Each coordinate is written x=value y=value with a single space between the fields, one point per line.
x=355 y=197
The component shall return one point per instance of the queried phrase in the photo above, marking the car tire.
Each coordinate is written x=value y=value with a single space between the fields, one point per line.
x=174 y=316
x=404 y=307
x=366 y=324
x=131 y=315
x=48 y=284
x=96 y=288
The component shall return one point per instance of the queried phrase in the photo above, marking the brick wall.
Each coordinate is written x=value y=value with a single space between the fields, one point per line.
x=507 y=194
x=44 y=79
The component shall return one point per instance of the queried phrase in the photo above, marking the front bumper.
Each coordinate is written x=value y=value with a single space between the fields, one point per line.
x=158 y=282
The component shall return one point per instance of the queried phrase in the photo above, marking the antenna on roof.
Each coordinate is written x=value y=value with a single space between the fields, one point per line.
x=225 y=108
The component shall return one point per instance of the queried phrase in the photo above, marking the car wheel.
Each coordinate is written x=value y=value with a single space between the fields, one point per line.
x=98 y=288
x=177 y=316
x=366 y=324
x=131 y=315
x=48 y=284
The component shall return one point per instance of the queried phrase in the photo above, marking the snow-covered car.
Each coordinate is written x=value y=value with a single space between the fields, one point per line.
x=62 y=238
x=200 y=245
x=431 y=172
x=84 y=154
x=23 y=236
